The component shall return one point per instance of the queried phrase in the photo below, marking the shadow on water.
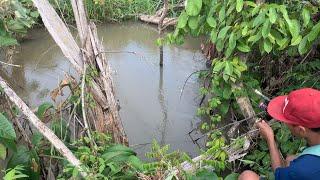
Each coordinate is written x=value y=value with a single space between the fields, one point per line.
x=149 y=97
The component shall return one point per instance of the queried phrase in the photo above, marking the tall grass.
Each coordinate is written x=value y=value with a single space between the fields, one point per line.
x=109 y=10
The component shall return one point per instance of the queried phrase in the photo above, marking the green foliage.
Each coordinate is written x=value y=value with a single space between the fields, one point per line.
x=111 y=10
x=28 y=159
x=250 y=39
x=16 y=17
x=42 y=109
x=15 y=173
x=164 y=160
x=7 y=135
x=6 y=128
x=103 y=159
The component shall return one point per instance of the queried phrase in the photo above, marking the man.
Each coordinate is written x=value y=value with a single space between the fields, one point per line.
x=300 y=111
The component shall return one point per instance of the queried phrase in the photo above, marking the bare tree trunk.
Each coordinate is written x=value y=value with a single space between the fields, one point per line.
x=41 y=127
x=160 y=28
x=106 y=114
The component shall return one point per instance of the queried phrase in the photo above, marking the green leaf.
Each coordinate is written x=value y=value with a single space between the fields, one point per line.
x=295 y=41
x=135 y=162
x=232 y=176
x=212 y=22
x=259 y=19
x=239 y=5
x=244 y=30
x=193 y=7
x=34 y=14
x=294 y=28
x=232 y=41
x=305 y=16
x=222 y=14
x=218 y=66
x=183 y=19
x=255 y=38
x=231 y=45
x=7 y=41
x=272 y=15
x=314 y=32
x=193 y=22
x=119 y=147
x=42 y=109
x=223 y=32
x=6 y=128
x=119 y=156
x=227 y=93
x=28 y=159
x=220 y=45
x=243 y=48
x=213 y=35
x=224 y=107
x=267 y=45
x=3 y=152
x=266 y=28
x=206 y=174
x=228 y=69
x=303 y=47
x=9 y=144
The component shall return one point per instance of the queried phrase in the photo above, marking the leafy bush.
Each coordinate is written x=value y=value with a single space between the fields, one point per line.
x=16 y=17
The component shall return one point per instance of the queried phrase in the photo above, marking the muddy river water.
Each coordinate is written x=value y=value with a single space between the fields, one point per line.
x=149 y=97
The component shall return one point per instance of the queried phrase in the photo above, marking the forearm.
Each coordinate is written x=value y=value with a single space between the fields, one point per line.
x=276 y=161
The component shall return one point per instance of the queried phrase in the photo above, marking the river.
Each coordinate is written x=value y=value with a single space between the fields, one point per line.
x=149 y=97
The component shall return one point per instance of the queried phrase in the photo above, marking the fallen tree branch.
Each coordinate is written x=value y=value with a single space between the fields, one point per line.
x=41 y=127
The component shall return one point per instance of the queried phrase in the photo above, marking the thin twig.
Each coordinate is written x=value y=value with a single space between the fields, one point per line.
x=8 y=64
x=306 y=56
x=185 y=82
x=86 y=125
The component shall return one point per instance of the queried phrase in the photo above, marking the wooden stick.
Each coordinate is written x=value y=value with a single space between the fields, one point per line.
x=41 y=127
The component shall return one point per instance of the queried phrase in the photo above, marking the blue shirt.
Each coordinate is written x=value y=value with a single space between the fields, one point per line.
x=305 y=167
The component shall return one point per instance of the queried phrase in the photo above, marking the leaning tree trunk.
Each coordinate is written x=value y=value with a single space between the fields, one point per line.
x=41 y=127
x=106 y=114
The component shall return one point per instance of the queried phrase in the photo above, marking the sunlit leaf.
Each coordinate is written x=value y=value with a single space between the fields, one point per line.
x=306 y=17
x=239 y=5
x=212 y=22
x=267 y=45
x=183 y=19
x=272 y=15
x=313 y=34
x=303 y=46
x=193 y=22
x=222 y=14
x=193 y=7
x=223 y=32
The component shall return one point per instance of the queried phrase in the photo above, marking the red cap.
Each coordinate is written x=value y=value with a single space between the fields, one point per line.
x=300 y=107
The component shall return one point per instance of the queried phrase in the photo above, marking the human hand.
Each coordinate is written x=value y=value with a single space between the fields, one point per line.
x=265 y=130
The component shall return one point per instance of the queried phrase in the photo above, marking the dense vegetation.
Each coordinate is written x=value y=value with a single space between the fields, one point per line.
x=270 y=46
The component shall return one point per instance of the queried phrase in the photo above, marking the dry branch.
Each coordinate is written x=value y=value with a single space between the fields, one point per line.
x=41 y=127
x=106 y=114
